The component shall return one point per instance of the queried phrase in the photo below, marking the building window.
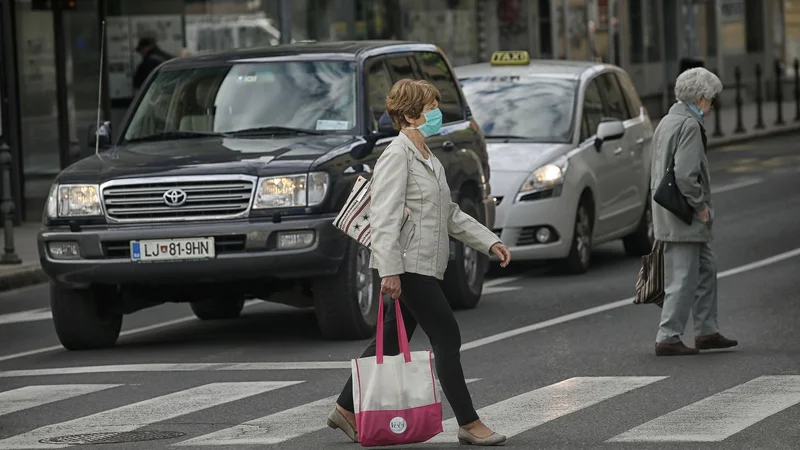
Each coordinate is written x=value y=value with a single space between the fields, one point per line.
x=645 y=34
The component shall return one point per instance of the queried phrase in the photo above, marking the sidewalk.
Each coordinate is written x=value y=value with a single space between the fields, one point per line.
x=29 y=272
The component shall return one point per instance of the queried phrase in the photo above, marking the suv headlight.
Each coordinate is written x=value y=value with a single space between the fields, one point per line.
x=74 y=200
x=290 y=191
x=546 y=177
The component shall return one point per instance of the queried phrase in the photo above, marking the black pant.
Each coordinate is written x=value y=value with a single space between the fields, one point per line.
x=422 y=301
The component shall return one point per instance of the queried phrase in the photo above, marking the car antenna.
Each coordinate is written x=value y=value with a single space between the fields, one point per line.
x=100 y=87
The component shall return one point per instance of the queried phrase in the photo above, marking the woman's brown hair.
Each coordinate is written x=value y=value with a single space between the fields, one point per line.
x=408 y=98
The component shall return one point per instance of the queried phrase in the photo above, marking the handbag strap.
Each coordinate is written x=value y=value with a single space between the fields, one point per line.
x=402 y=338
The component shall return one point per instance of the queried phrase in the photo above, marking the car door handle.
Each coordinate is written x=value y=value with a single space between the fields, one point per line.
x=448 y=146
x=618 y=151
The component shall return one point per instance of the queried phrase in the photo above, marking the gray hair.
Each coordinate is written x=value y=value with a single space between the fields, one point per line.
x=695 y=84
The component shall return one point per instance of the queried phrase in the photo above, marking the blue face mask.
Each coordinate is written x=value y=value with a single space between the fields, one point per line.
x=433 y=122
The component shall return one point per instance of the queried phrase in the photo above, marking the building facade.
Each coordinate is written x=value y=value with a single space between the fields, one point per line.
x=51 y=64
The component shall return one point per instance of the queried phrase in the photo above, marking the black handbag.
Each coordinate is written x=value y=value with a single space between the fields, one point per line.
x=670 y=197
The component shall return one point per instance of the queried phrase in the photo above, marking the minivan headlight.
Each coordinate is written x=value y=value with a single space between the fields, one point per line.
x=290 y=191
x=545 y=177
x=74 y=200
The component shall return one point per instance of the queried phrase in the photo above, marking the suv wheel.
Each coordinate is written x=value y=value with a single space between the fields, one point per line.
x=86 y=318
x=347 y=303
x=217 y=309
x=463 y=280
x=640 y=242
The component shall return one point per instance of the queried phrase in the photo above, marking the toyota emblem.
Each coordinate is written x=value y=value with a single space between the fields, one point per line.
x=174 y=197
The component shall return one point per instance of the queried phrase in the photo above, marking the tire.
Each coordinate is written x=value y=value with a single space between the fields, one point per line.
x=346 y=303
x=217 y=309
x=640 y=242
x=580 y=253
x=463 y=279
x=85 y=319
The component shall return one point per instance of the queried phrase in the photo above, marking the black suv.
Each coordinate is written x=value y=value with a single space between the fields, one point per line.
x=224 y=181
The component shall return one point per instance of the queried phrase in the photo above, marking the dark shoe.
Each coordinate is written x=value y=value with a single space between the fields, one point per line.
x=715 y=340
x=677 y=349
x=337 y=420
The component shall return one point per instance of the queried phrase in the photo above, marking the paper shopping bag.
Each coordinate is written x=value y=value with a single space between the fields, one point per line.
x=395 y=397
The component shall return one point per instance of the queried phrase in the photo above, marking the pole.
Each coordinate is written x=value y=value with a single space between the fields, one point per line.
x=9 y=101
x=285 y=13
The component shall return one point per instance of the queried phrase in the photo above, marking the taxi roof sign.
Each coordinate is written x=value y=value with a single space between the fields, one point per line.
x=511 y=58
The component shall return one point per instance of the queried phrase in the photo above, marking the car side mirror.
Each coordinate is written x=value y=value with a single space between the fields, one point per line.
x=385 y=125
x=101 y=133
x=608 y=130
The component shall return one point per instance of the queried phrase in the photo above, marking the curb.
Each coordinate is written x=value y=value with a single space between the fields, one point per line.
x=22 y=277
x=749 y=136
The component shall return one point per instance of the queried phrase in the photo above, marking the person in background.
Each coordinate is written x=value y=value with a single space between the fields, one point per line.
x=152 y=57
x=409 y=175
x=690 y=268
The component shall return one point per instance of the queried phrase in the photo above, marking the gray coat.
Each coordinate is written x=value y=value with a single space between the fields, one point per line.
x=681 y=132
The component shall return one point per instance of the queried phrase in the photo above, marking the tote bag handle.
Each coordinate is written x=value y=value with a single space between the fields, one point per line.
x=402 y=338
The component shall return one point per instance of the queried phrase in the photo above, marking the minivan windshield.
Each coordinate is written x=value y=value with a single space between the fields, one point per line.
x=535 y=109
x=252 y=98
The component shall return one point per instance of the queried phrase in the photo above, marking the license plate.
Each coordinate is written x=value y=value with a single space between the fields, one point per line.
x=172 y=249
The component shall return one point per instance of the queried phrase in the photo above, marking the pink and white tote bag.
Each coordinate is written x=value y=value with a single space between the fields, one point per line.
x=396 y=398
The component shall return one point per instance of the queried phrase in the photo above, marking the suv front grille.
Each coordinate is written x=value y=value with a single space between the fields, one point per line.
x=178 y=198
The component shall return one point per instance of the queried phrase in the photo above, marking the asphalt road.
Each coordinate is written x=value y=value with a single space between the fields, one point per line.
x=555 y=362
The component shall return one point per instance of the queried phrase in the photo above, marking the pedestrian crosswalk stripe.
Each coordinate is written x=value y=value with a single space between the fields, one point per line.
x=712 y=419
x=722 y=415
x=531 y=409
x=275 y=428
x=32 y=396
x=137 y=415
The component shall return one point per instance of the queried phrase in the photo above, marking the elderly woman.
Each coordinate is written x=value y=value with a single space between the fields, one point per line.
x=690 y=270
x=410 y=261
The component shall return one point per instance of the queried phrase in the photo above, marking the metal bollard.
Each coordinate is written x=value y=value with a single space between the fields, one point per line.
x=759 y=100
x=737 y=74
x=7 y=207
x=779 y=92
x=717 y=118
x=796 y=90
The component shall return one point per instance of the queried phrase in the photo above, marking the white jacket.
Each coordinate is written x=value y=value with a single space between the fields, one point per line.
x=402 y=179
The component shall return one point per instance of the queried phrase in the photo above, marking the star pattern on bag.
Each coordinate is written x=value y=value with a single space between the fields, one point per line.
x=357 y=227
x=366 y=217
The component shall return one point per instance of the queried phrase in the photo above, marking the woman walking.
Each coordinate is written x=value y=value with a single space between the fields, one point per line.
x=411 y=258
x=690 y=270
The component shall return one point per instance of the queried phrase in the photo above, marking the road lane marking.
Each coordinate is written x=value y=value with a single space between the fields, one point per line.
x=31 y=315
x=489 y=339
x=531 y=409
x=276 y=428
x=720 y=416
x=179 y=367
x=137 y=415
x=32 y=396
x=614 y=305
x=737 y=185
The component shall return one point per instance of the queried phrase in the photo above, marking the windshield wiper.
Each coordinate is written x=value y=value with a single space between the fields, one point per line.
x=273 y=129
x=173 y=135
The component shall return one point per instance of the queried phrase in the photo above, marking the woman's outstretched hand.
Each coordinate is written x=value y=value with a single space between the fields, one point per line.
x=391 y=285
x=503 y=253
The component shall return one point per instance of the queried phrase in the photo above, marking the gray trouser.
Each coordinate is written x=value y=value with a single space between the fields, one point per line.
x=690 y=285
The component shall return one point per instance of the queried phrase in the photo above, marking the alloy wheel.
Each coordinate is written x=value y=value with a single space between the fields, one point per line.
x=364 y=281
x=583 y=236
x=470 y=265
